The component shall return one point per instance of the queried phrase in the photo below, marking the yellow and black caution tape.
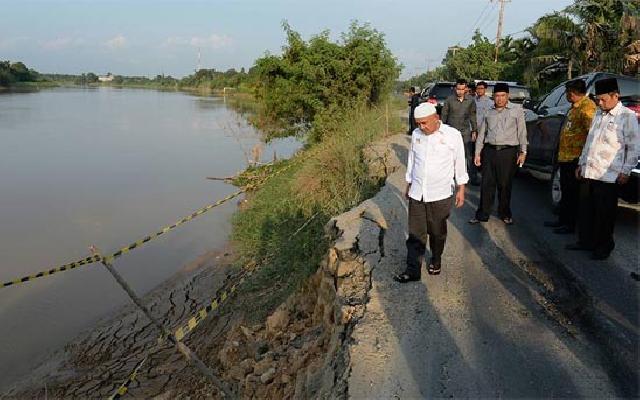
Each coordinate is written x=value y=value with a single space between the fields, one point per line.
x=124 y=387
x=96 y=258
x=181 y=332
x=166 y=229
x=61 y=268
x=139 y=243
x=194 y=321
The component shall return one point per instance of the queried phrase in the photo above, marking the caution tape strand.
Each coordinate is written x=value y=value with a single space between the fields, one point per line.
x=191 y=324
x=124 y=387
x=123 y=250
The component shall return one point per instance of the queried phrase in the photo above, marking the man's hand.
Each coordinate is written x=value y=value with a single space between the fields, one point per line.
x=622 y=179
x=460 y=196
x=406 y=191
x=521 y=158
x=474 y=136
x=477 y=161
x=578 y=173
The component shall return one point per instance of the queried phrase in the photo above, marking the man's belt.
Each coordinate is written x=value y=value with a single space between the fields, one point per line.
x=500 y=146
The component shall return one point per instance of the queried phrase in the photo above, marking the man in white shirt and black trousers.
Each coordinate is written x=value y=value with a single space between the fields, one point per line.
x=608 y=156
x=436 y=169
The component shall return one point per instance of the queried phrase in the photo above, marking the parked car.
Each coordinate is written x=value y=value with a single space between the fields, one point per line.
x=545 y=121
x=436 y=93
x=517 y=93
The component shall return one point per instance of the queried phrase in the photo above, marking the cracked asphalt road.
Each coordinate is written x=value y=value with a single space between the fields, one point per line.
x=484 y=327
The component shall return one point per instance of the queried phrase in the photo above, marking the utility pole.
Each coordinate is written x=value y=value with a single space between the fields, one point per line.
x=499 y=34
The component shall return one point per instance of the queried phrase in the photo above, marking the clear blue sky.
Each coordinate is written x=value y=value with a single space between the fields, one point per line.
x=149 y=37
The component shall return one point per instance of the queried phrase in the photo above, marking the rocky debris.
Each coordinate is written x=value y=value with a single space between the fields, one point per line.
x=302 y=350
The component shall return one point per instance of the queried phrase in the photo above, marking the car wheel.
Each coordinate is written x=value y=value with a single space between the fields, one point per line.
x=556 y=189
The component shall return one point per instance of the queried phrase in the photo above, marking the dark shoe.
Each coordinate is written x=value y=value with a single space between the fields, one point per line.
x=599 y=256
x=404 y=278
x=475 y=220
x=434 y=269
x=553 y=224
x=507 y=221
x=563 y=230
x=577 y=246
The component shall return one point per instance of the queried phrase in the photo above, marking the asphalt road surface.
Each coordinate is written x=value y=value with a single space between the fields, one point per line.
x=512 y=315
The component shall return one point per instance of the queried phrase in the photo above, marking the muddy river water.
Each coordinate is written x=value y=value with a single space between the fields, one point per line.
x=106 y=167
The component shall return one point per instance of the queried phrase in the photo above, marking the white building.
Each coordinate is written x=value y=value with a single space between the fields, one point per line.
x=106 y=78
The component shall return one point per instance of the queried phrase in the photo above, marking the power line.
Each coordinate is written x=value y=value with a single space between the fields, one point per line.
x=488 y=22
x=475 y=24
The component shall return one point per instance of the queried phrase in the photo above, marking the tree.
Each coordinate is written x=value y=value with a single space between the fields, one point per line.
x=317 y=78
x=473 y=62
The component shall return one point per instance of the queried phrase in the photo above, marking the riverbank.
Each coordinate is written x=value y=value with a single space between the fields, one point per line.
x=280 y=232
x=106 y=167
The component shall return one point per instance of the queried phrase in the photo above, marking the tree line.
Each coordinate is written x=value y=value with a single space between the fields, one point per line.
x=11 y=73
x=586 y=36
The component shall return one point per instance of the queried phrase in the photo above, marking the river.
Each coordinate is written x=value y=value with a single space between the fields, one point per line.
x=106 y=167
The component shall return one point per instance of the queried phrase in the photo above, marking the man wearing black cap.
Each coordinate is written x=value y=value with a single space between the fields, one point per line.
x=503 y=137
x=609 y=154
x=459 y=111
x=572 y=137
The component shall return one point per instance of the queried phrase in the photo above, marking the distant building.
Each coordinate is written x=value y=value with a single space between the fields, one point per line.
x=106 y=78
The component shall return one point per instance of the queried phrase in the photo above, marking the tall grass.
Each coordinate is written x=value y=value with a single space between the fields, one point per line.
x=281 y=229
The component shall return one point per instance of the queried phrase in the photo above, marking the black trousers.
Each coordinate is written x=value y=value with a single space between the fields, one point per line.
x=412 y=122
x=570 y=188
x=498 y=169
x=469 y=153
x=598 y=208
x=427 y=220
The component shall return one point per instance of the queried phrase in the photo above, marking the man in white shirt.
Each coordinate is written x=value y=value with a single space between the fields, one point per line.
x=435 y=169
x=609 y=155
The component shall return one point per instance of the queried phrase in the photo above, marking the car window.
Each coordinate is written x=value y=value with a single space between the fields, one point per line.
x=552 y=99
x=629 y=87
x=441 y=91
x=515 y=93
x=563 y=102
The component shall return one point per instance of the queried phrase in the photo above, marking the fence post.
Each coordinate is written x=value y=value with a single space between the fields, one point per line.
x=191 y=357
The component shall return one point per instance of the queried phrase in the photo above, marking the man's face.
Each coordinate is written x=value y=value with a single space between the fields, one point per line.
x=481 y=90
x=573 y=97
x=607 y=101
x=428 y=124
x=501 y=99
x=461 y=90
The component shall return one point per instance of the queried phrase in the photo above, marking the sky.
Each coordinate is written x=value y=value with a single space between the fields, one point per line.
x=151 y=37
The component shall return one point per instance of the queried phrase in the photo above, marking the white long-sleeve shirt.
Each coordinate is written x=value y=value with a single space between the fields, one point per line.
x=436 y=164
x=612 y=145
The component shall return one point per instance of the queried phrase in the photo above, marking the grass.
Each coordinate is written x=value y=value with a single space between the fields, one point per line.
x=281 y=229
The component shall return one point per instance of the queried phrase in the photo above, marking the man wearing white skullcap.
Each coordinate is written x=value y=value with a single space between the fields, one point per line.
x=435 y=169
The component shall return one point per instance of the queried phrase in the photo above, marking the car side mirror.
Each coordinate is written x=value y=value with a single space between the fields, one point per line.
x=542 y=111
x=528 y=104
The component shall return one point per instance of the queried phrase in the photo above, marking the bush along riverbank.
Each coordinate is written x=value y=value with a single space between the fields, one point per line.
x=298 y=307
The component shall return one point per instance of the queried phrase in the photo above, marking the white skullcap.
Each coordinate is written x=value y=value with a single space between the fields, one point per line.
x=424 y=110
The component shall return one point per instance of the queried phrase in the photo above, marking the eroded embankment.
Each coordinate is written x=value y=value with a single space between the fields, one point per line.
x=300 y=351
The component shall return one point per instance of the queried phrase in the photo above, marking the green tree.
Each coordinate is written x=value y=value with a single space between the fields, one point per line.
x=473 y=62
x=315 y=79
